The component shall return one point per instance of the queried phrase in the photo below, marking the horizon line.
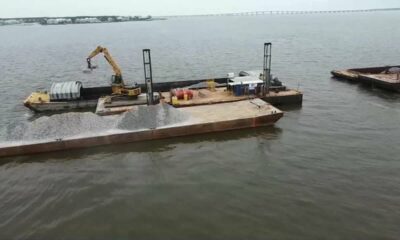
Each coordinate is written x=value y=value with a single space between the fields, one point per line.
x=285 y=11
x=224 y=13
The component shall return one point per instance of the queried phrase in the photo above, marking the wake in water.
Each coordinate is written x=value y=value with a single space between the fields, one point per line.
x=66 y=125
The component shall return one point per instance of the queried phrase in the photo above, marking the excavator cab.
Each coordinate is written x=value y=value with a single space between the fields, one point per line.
x=116 y=80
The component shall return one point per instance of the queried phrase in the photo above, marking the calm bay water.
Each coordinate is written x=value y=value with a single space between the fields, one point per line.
x=329 y=169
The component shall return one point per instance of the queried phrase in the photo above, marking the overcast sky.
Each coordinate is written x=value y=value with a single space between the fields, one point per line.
x=39 y=8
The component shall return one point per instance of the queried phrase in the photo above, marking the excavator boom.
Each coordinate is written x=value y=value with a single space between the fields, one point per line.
x=110 y=60
x=118 y=86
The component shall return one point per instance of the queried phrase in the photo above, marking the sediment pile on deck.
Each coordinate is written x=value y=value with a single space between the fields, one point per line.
x=66 y=125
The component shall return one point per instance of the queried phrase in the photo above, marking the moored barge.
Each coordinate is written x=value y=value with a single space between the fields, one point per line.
x=202 y=119
x=387 y=77
x=87 y=97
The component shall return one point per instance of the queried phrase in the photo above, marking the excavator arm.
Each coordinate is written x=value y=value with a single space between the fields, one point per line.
x=110 y=60
x=118 y=86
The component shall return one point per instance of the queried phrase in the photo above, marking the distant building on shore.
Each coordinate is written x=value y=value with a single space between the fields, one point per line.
x=123 y=19
x=55 y=21
x=87 y=20
x=72 y=20
x=10 y=22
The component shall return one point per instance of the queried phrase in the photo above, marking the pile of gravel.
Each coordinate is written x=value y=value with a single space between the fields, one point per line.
x=65 y=125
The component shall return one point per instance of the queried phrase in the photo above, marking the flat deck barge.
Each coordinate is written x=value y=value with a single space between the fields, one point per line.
x=387 y=77
x=202 y=97
x=41 y=102
x=202 y=119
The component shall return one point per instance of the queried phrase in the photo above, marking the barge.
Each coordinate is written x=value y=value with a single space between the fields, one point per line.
x=387 y=77
x=75 y=98
x=88 y=98
x=200 y=96
x=202 y=119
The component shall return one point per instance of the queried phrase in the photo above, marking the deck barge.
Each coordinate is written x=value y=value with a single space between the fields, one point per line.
x=40 y=101
x=202 y=97
x=202 y=119
x=387 y=77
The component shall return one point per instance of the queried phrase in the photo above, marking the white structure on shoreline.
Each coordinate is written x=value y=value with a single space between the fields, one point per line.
x=10 y=22
x=87 y=20
x=54 y=21
x=123 y=19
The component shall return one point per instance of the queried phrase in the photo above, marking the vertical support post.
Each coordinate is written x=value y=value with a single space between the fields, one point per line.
x=267 y=66
x=148 y=76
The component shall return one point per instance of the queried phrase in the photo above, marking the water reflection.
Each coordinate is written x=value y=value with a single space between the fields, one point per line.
x=267 y=133
x=368 y=89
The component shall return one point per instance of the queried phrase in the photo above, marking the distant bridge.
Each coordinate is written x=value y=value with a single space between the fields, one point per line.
x=255 y=13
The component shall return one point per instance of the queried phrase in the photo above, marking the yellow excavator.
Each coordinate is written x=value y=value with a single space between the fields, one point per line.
x=117 y=83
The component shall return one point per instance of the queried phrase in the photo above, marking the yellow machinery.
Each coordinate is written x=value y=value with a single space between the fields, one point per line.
x=118 y=86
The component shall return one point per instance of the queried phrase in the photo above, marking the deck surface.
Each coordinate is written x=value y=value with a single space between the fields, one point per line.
x=385 y=77
x=220 y=95
x=230 y=111
x=200 y=97
x=373 y=76
x=345 y=74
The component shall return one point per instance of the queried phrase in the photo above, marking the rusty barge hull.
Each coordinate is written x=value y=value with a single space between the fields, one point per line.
x=227 y=116
x=374 y=76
